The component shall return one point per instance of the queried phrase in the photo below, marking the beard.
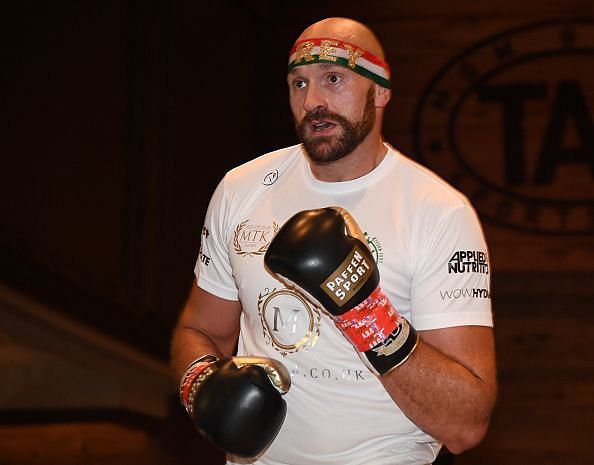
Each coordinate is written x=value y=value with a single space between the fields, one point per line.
x=326 y=149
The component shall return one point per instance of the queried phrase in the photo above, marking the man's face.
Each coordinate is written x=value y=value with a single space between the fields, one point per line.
x=333 y=109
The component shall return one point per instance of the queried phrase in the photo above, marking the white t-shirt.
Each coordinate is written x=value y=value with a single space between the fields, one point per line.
x=433 y=262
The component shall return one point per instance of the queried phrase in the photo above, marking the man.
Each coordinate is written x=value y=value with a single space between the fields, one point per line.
x=425 y=239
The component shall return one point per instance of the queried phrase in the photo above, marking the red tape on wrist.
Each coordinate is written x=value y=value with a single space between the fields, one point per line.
x=185 y=388
x=369 y=323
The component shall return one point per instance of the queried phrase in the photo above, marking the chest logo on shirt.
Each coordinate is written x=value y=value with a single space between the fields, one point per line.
x=290 y=323
x=250 y=239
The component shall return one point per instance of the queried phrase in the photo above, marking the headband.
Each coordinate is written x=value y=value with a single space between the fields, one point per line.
x=310 y=51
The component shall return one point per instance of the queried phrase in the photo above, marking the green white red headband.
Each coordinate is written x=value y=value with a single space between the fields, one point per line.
x=323 y=50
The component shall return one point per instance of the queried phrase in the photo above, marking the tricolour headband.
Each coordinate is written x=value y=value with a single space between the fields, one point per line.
x=322 y=50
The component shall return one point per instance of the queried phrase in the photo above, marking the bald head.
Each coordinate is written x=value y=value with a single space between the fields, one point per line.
x=347 y=30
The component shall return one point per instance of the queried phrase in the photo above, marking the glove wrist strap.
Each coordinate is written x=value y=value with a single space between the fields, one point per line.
x=196 y=373
x=384 y=338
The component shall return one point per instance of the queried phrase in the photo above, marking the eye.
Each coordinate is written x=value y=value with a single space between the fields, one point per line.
x=334 y=78
x=299 y=84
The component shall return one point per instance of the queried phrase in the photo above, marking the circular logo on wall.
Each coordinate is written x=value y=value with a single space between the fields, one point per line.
x=509 y=122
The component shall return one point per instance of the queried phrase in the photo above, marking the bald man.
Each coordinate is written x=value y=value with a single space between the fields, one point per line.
x=425 y=240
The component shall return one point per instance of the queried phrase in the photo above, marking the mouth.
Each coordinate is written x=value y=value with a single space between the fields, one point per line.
x=322 y=127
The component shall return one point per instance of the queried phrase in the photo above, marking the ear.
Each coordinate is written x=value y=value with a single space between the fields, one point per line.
x=382 y=96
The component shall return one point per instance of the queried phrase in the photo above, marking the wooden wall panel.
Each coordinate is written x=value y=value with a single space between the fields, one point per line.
x=104 y=443
x=64 y=110
x=76 y=178
x=545 y=410
x=115 y=118
x=495 y=147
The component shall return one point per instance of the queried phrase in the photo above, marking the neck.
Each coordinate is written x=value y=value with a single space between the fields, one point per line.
x=359 y=162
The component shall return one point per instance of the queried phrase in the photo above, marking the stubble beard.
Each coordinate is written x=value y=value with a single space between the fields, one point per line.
x=327 y=149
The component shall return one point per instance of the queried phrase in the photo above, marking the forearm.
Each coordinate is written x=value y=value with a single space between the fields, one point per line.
x=187 y=345
x=207 y=325
x=443 y=397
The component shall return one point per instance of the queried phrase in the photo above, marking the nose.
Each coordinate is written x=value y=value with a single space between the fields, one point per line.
x=314 y=98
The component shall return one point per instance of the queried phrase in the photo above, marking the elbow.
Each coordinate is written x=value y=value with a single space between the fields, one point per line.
x=467 y=438
x=470 y=433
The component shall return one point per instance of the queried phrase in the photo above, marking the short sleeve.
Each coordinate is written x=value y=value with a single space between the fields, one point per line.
x=213 y=269
x=451 y=279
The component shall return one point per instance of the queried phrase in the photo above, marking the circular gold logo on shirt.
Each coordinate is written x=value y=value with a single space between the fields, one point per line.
x=290 y=322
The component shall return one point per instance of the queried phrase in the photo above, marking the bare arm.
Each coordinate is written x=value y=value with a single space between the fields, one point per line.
x=448 y=386
x=207 y=325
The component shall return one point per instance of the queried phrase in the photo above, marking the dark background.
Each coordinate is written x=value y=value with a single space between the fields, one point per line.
x=120 y=117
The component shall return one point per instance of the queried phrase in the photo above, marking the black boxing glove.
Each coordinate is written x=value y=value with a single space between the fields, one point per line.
x=324 y=254
x=236 y=402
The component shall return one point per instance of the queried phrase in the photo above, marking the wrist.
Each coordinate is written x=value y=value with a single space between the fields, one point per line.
x=196 y=373
x=395 y=350
x=369 y=323
x=384 y=338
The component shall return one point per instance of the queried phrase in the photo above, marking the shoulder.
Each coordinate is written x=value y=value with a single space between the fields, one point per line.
x=426 y=187
x=428 y=204
x=264 y=168
x=247 y=183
